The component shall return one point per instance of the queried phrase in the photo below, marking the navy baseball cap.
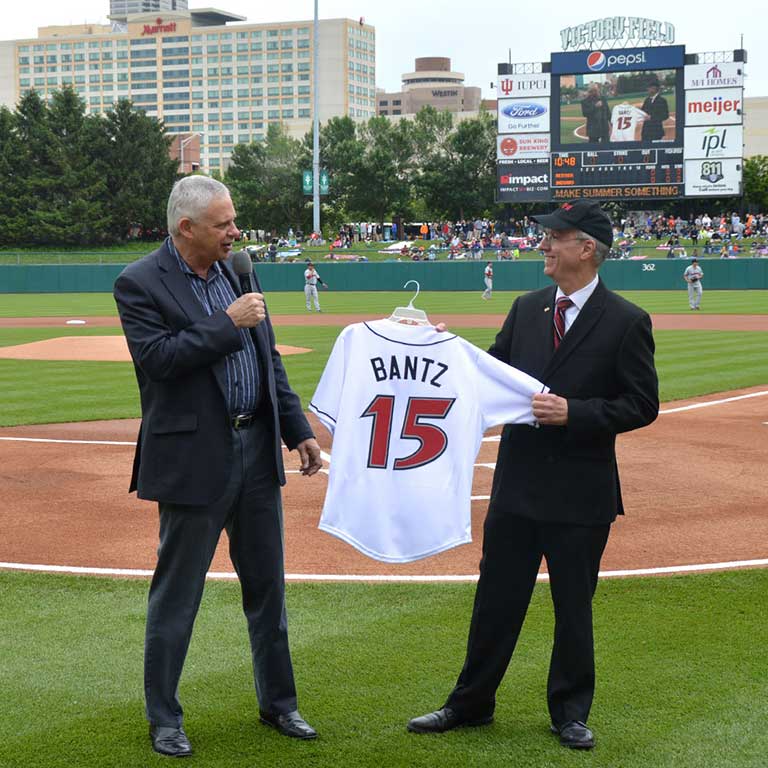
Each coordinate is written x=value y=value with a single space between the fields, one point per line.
x=585 y=215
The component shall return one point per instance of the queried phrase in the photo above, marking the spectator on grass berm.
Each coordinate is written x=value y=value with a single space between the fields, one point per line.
x=556 y=486
x=215 y=405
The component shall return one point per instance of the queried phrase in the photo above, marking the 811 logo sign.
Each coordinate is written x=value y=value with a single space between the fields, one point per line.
x=712 y=171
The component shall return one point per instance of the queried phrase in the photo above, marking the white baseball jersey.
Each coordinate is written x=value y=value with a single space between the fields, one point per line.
x=311 y=277
x=407 y=407
x=624 y=121
x=489 y=272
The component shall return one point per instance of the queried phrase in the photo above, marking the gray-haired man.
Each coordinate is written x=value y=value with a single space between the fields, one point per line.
x=215 y=403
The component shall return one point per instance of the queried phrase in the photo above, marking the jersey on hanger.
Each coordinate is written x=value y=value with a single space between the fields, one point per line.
x=624 y=121
x=408 y=407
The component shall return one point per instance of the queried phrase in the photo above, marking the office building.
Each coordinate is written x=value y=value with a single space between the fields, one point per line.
x=204 y=72
x=123 y=8
x=432 y=84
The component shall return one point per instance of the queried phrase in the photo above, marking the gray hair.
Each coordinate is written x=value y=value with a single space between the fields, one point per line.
x=601 y=249
x=190 y=197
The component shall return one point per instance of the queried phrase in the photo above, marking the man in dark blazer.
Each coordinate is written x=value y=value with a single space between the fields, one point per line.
x=215 y=403
x=556 y=486
x=595 y=108
x=655 y=106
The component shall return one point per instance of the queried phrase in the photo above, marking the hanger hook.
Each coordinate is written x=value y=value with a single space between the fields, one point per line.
x=416 y=295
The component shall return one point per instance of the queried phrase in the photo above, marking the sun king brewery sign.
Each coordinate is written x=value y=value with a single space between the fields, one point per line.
x=617 y=29
x=158 y=27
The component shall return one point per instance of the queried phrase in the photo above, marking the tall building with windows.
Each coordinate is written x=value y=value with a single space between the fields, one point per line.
x=431 y=84
x=128 y=7
x=204 y=73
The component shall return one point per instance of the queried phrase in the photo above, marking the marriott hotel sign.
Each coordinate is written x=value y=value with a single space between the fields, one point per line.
x=158 y=28
x=616 y=28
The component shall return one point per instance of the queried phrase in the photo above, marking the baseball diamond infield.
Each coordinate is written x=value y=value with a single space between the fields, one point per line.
x=690 y=499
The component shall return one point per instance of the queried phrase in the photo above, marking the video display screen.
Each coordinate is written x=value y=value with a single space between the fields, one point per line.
x=618 y=109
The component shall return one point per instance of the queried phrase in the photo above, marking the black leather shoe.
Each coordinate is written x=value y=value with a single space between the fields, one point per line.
x=575 y=735
x=445 y=719
x=291 y=724
x=170 y=741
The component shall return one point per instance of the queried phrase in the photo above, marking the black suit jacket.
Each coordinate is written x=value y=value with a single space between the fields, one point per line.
x=658 y=110
x=604 y=367
x=184 y=449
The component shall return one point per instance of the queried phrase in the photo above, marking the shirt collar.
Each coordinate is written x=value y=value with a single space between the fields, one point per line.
x=580 y=297
x=214 y=271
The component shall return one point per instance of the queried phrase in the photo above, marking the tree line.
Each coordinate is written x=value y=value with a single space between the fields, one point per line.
x=68 y=178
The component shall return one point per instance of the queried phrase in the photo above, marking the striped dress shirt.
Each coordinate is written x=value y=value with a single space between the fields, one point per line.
x=215 y=292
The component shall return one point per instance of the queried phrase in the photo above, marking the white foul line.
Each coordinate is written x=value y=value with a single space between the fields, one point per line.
x=713 y=402
x=78 y=442
x=421 y=578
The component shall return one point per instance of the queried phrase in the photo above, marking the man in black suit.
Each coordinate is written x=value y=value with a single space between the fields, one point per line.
x=595 y=108
x=655 y=106
x=215 y=402
x=556 y=486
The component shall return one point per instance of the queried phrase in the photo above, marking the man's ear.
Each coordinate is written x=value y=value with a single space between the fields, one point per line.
x=185 y=227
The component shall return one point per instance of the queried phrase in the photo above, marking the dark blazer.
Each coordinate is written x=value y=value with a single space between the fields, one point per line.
x=604 y=367
x=598 y=118
x=658 y=110
x=184 y=449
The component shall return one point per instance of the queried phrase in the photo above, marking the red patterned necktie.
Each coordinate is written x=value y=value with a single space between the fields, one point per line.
x=562 y=304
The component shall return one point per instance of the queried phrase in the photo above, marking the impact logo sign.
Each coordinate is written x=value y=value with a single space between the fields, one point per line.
x=523 y=115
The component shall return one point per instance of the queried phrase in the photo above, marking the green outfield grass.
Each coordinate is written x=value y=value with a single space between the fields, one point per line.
x=74 y=305
x=681 y=676
x=41 y=392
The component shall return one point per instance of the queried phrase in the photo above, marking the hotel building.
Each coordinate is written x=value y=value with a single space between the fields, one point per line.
x=213 y=79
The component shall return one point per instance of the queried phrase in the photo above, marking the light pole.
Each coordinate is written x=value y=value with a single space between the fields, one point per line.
x=183 y=143
x=316 y=132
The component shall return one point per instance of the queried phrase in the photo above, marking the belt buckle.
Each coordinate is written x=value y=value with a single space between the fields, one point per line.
x=241 y=420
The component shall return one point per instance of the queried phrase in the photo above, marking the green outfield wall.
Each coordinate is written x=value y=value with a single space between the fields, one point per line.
x=628 y=275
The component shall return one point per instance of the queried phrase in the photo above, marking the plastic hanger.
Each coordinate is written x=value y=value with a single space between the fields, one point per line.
x=410 y=315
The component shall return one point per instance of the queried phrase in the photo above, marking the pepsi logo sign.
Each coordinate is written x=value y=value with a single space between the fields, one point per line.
x=596 y=61
x=523 y=110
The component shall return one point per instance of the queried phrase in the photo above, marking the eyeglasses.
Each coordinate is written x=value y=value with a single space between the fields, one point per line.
x=553 y=237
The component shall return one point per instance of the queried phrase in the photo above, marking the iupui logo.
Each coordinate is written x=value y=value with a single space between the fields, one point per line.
x=597 y=61
x=523 y=111
x=712 y=171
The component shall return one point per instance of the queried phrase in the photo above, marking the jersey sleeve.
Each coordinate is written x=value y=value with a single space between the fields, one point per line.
x=504 y=392
x=326 y=401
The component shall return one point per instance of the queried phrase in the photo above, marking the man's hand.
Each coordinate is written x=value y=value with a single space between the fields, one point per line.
x=550 y=409
x=309 y=452
x=248 y=310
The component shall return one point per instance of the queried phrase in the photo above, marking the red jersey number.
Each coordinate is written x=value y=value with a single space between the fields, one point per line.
x=432 y=440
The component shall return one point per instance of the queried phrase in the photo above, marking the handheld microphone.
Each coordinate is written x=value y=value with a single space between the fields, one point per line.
x=241 y=263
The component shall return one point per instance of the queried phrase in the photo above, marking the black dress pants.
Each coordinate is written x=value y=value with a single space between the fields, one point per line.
x=251 y=512
x=512 y=551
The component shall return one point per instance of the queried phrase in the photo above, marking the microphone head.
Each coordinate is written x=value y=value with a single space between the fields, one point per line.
x=241 y=263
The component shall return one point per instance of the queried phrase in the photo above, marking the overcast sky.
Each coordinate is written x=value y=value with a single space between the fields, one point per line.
x=474 y=34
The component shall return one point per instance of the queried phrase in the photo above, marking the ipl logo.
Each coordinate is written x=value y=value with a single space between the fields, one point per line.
x=596 y=61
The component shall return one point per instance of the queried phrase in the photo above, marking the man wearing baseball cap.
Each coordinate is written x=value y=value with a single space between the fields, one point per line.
x=556 y=487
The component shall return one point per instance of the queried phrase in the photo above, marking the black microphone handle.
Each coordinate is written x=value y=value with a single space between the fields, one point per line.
x=245 y=284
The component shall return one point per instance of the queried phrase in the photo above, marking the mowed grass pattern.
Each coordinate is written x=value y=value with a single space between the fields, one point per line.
x=681 y=676
x=681 y=662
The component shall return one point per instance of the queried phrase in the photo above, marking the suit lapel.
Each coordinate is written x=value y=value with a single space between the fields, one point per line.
x=178 y=285
x=583 y=325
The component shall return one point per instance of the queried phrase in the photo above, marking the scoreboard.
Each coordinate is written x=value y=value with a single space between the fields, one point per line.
x=621 y=124
x=627 y=173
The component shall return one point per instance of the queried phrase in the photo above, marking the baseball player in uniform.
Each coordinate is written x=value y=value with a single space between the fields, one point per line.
x=488 y=278
x=311 y=279
x=692 y=275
